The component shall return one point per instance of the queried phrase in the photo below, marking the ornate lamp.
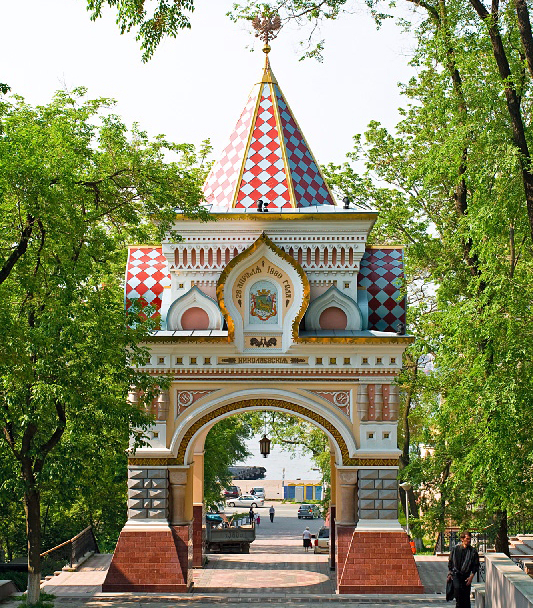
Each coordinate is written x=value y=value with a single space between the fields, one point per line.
x=264 y=446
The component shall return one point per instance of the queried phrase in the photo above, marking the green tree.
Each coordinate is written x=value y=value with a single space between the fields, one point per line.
x=152 y=20
x=224 y=446
x=296 y=436
x=450 y=183
x=75 y=186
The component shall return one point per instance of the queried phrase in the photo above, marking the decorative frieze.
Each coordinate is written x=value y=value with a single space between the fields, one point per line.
x=147 y=493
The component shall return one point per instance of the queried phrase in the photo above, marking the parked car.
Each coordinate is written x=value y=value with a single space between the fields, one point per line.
x=322 y=541
x=259 y=492
x=308 y=512
x=232 y=492
x=246 y=500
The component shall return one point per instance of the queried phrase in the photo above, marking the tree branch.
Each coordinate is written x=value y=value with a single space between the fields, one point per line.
x=19 y=250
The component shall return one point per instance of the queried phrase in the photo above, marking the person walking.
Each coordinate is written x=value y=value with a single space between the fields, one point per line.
x=251 y=515
x=271 y=512
x=462 y=566
x=307 y=539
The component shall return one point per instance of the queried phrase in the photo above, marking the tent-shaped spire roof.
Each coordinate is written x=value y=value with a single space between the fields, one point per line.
x=267 y=158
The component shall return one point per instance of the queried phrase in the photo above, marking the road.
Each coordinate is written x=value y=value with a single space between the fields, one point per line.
x=286 y=524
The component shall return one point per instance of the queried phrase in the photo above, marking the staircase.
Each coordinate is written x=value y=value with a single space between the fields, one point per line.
x=521 y=545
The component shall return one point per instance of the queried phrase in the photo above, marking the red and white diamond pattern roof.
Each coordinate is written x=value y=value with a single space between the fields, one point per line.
x=146 y=276
x=267 y=158
x=220 y=184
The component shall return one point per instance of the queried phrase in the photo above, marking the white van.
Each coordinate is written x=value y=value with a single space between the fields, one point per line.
x=259 y=492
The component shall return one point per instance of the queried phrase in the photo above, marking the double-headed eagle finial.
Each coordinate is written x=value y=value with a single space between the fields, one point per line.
x=267 y=28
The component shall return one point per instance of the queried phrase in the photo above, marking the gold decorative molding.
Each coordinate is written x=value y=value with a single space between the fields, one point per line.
x=372 y=462
x=284 y=405
x=153 y=462
x=262 y=240
x=300 y=340
x=273 y=215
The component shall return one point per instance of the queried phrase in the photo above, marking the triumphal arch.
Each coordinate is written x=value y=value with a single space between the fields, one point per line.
x=280 y=304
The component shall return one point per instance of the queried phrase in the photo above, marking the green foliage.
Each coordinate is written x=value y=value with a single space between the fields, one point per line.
x=151 y=20
x=76 y=185
x=296 y=435
x=224 y=447
x=451 y=182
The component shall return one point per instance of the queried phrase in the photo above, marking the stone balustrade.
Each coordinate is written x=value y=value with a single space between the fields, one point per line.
x=506 y=585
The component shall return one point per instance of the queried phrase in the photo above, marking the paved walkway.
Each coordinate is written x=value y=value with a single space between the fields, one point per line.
x=276 y=571
x=272 y=566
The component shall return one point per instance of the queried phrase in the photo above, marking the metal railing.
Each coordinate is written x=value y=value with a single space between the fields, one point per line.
x=73 y=549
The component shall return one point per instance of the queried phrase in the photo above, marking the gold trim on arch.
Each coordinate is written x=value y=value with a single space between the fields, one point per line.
x=246 y=403
x=263 y=239
x=153 y=462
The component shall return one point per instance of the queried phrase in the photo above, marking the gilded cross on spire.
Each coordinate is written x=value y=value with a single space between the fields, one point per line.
x=267 y=28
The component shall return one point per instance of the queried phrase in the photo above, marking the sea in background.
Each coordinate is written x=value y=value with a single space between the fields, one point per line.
x=281 y=464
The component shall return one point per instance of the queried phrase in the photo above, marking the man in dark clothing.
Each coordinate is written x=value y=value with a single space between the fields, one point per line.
x=462 y=566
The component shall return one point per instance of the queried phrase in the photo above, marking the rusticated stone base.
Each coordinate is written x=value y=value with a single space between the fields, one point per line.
x=197 y=537
x=151 y=561
x=375 y=562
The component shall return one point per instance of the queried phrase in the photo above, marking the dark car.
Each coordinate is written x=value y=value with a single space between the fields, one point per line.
x=308 y=512
x=232 y=492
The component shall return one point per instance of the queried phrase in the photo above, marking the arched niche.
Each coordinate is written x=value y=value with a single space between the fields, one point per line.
x=324 y=307
x=194 y=307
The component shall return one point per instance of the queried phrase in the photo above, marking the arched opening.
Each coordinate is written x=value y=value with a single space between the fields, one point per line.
x=297 y=503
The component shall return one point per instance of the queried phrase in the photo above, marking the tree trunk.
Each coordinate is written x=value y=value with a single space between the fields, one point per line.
x=501 y=544
x=32 y=506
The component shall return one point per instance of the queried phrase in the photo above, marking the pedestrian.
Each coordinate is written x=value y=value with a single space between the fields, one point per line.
x=252 y=492
x=258 y=519
x=271 y=512
x=307 y=539
x=251 y=515
x=462 y=566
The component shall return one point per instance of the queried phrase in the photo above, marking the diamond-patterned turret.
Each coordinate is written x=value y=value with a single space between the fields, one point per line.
x=267 y=158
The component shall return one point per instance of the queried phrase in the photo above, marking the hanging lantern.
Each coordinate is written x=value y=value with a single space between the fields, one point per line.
x=264 y=446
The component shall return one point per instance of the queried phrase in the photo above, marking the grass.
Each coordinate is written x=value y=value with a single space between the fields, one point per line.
x=46 y=600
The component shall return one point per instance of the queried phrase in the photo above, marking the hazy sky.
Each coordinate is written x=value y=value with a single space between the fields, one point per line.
x=196 y=86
